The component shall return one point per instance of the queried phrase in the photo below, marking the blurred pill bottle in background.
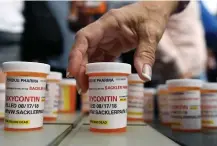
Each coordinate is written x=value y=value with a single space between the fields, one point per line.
x=51 y=104
x=185 y=104
x=135 y=111
x=209 y=107
x=149 y=94
x=67 y=102
x=163 y=104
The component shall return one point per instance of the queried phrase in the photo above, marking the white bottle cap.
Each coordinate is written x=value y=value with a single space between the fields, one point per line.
x=184 y=83
x=134 y=77
x=68 y=81
x=55 y=76
x=19 y=66
x=162 y=87
x=209 y=86
x=149 y=90
x=2 y=86
x=108 y=67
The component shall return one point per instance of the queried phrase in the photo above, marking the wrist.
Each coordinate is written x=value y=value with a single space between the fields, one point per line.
x=165 y=7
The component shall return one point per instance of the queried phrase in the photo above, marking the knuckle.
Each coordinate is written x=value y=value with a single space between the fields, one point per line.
x=113 y=12
x=153 y=31
x=77 y=53
x=80 y=33
x=147 y=54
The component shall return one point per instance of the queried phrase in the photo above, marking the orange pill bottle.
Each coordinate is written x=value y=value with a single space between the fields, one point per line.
x=25 y=95
x=135 y=98
x=209 y=107
x=185 y=104
x=2 y=101
x=85 y=106
x=108 y=93
x=163 y=104
x=51 y=105
x=68 y=96
x=149 y=94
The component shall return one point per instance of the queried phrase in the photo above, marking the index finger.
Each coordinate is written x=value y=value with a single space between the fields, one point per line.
x=87 y=38
x=77 y=53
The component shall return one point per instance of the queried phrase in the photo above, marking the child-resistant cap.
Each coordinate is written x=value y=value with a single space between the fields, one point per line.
x=68 y=81
x=108 y=67
x=55 y=76
x=184 y=83
x=149 y=90
x=209 y=86
x=19 y=66
x=134 y=77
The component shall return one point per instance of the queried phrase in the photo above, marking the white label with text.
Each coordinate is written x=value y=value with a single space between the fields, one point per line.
x=51 y=105
x=24 y=102
x=185 y=110
x=135 y=105
x=164 y=108
x=209 y=109
x=108 y=102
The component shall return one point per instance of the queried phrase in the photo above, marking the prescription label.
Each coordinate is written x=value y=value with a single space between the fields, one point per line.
x=24 y=102
x=185 y=109
x=2 y=103
x=148 y=107
x=108 y=102
x=164 y=108
x=52 y=99
x=135 y=105
x=209 y=109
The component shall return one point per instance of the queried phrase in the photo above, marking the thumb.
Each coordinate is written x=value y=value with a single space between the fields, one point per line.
x=144 y=56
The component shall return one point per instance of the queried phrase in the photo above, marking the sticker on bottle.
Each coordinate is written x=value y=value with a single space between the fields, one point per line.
x=164 y=108
x=209 y=109
x=185 y=110
x=108 y=102
x=148 y=108
x=136 y=105
x=24 y=102
x=52 y=100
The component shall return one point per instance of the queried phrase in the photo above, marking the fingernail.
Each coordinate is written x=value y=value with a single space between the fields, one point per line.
x=147 y=72
x=78 y=89
x=68 y=75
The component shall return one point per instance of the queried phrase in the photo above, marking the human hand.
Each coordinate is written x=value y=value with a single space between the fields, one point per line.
x=187 y=75
x=2 y=76
x=139 y=25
